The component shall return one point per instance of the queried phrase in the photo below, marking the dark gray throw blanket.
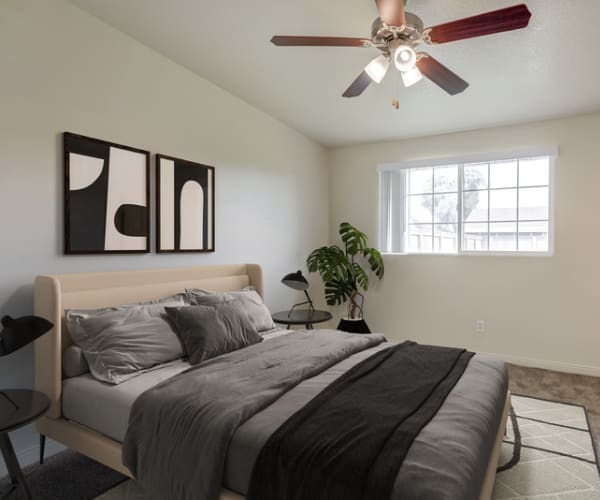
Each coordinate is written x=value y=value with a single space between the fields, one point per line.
x=349 y=442
x=179 y=431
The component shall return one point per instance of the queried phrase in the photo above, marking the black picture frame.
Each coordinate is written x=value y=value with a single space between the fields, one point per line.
x=169 y=192
x=88 y=200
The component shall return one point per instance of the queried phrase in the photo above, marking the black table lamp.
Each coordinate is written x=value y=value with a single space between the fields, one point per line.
x=17 y=333
x=298 y=282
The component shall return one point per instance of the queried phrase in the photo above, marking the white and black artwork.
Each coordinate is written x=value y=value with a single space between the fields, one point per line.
x=106 y=197
x=185 y=206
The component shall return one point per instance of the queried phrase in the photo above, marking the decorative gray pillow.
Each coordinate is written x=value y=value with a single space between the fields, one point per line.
x=250 y=299
x=117 y=342
x=210 y=331
x=73 y=362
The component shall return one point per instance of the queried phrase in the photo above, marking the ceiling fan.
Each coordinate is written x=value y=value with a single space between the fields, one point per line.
x=397 y=33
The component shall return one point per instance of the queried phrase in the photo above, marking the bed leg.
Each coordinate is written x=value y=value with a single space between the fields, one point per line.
x=42 y=448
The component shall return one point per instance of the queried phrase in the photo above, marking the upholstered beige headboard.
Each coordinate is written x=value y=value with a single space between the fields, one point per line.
x=55 y=294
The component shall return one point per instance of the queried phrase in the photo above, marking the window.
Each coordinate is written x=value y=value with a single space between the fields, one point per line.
x=501 y=206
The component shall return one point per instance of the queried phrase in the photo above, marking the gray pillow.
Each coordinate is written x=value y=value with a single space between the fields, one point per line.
x=117 y=342
x=179 y=298
x=73 y=362
x=250 y=299
x=210 y=331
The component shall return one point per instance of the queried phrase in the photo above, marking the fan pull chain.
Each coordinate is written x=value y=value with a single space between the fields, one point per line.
x=396 y=100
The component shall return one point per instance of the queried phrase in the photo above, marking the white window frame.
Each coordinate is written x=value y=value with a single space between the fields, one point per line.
x=551 y=152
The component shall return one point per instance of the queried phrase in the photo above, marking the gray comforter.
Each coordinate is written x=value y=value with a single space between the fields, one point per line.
x=179 y=431
x=447 y=461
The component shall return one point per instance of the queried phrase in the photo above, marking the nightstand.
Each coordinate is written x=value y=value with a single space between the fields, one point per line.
x=304 y=317
x=18 y=408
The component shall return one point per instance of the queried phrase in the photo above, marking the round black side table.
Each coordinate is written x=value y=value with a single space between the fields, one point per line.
x=304 y=317
x=18 y=407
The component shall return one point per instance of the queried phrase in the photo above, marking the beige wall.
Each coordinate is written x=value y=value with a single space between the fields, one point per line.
x=538 y=310
x=63 y=70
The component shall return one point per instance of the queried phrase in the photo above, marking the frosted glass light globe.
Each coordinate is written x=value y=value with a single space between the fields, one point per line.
x=405 y=58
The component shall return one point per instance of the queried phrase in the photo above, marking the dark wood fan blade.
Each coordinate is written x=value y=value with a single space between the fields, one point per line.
x=358 y=86
x=319 y=41
x=498 y=21
x=441 y=75
x=391 y=12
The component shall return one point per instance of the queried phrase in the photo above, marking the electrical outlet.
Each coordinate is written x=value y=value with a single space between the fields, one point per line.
x=480 y=326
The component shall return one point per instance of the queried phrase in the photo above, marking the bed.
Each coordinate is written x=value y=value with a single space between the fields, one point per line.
x=475 y=411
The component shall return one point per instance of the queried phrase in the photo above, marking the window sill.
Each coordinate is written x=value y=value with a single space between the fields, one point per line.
x=471 y=254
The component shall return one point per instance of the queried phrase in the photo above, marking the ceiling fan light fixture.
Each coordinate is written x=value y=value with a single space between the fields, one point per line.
x=410 y=77
x=397 y=33
x=378 y=68
x=405 y=58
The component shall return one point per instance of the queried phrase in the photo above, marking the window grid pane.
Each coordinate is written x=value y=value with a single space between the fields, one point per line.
x=475 y=237
x=485 y=207
x=420 y=180
x=476 y=176
x=531 y=204
x=503 y=205
x=504 y=174
x=420 y=238
x=533 y=236
x=445 y=238
x=503 y=237
x=445 y=179
x=421 y=209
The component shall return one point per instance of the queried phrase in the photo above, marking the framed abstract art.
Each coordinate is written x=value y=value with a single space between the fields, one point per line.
x=185 y=199
x=107 y=197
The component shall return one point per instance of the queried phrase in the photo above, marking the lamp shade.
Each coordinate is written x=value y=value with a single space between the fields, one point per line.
x=17 y=333
x=412 y=76
x=295 y=281
x=405 y=58
x=378 y=68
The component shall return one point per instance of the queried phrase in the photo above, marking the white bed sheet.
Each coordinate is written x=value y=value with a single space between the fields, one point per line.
x=105 y=408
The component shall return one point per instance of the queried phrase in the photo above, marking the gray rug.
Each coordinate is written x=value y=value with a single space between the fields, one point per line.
x=66 y=476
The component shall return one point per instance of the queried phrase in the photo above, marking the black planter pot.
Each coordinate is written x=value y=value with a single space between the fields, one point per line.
x=353 y=326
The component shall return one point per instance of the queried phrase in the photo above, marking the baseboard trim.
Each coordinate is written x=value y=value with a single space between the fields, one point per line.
x=557 y=366
x=31 y=455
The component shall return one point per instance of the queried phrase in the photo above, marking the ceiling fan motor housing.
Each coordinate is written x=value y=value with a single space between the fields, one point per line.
x=382 y=34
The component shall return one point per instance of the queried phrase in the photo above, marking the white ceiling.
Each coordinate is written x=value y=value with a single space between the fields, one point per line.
x=545 y=71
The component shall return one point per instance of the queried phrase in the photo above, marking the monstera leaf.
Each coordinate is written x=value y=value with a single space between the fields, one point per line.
x=341 y=269
x=338 y=291
x=354 y=240
x=375 y=261
x=330 y=262
x=361 y=276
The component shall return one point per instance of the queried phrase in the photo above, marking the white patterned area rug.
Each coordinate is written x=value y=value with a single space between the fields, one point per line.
x=547 y=454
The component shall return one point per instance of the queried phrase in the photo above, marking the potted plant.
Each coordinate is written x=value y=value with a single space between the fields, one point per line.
x=344 y=276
